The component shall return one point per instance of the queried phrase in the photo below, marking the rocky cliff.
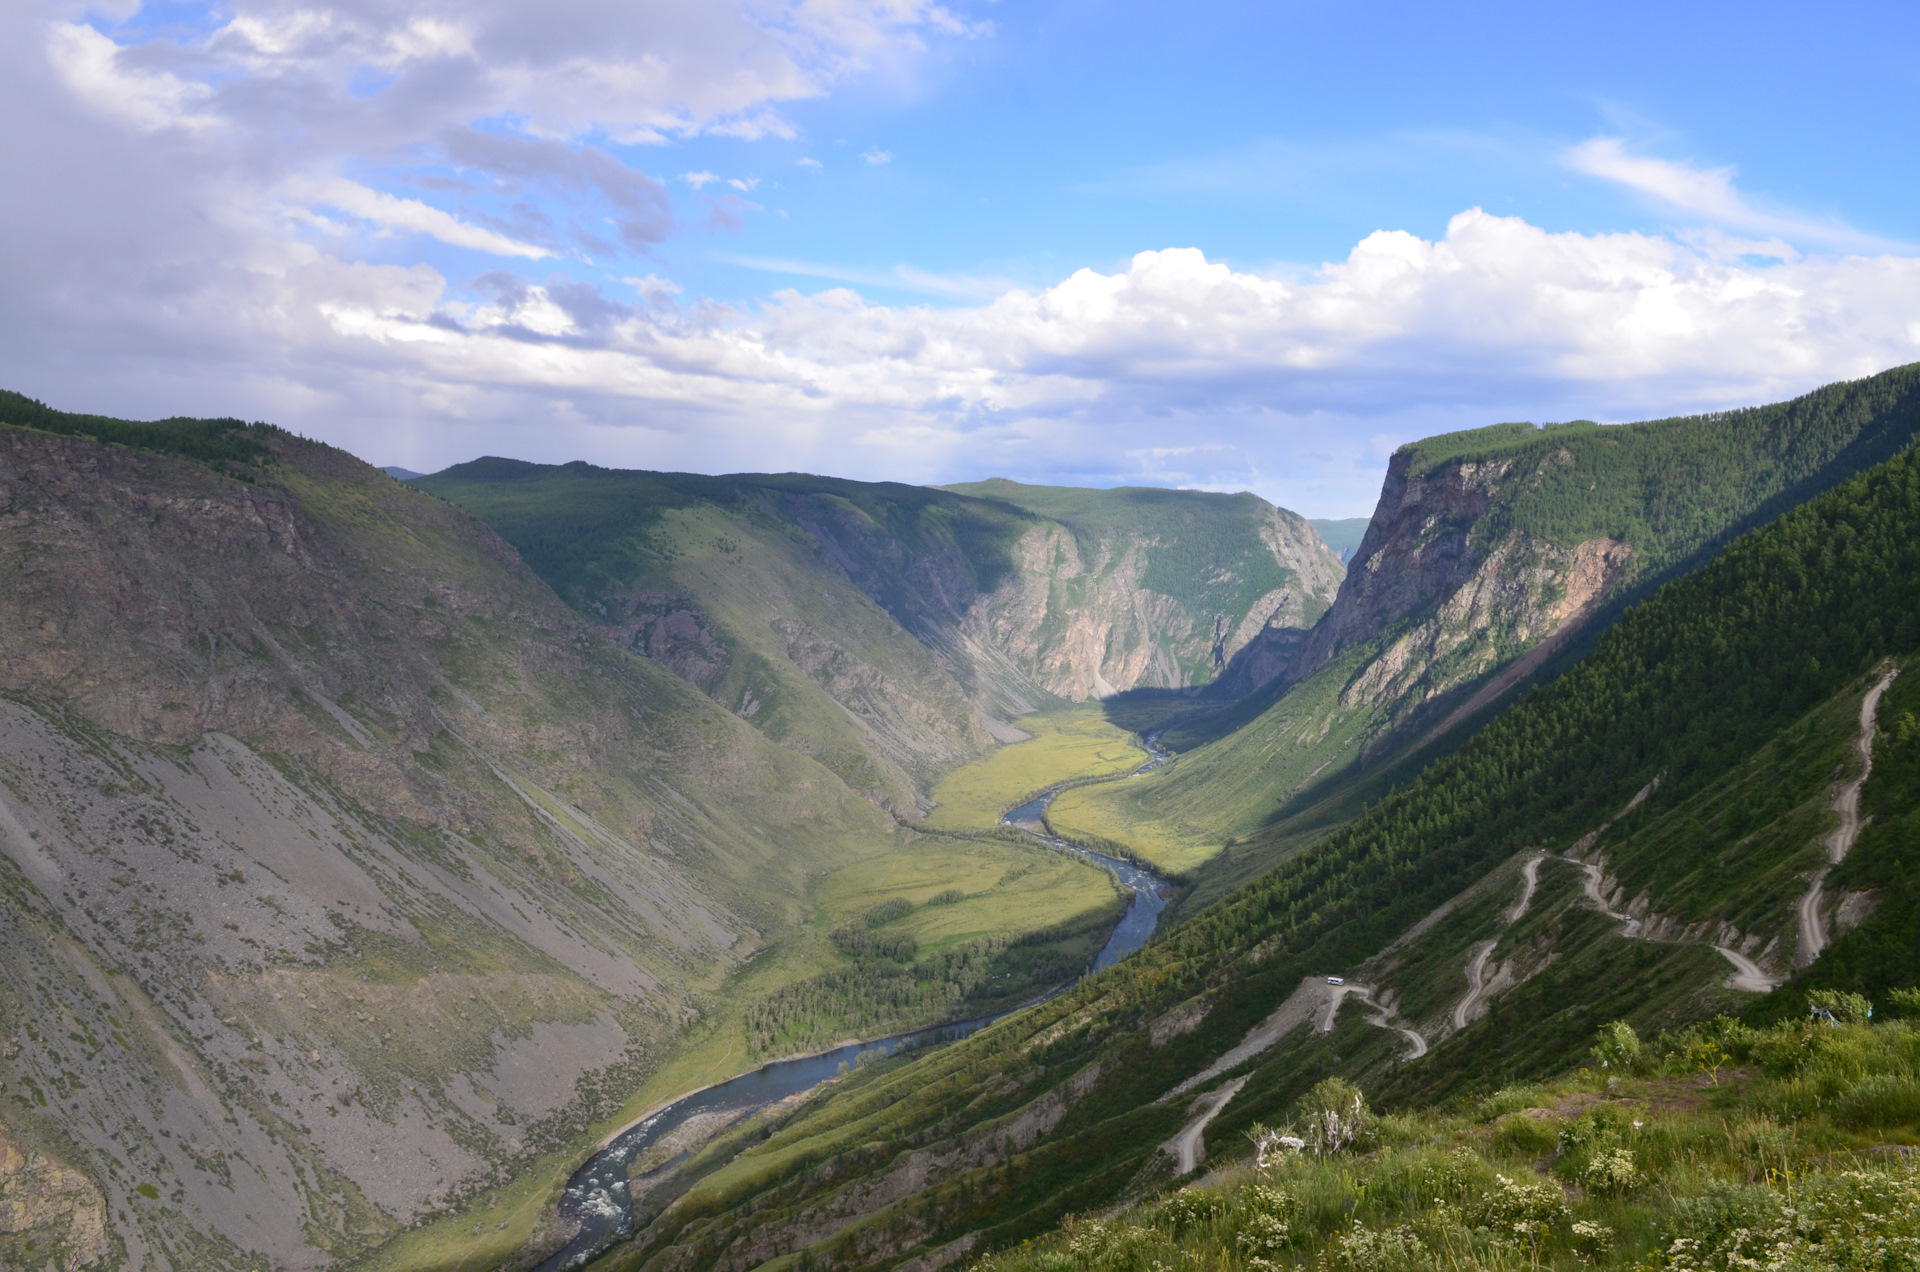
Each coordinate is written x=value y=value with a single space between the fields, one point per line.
x=1127 y=589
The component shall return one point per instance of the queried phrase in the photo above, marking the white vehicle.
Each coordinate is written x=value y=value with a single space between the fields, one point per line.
x=1336 y=980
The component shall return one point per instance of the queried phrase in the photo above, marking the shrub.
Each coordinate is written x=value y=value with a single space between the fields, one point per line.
x=1335 y=1114
x=1839 y=1006
x=1616 y=1048
x=1906 y=1002
x=950 y=896
x=1855 y=1220
x=1187 y=1209
x=1591 y=1239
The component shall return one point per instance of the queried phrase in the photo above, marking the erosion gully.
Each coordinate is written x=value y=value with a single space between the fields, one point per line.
x=596 y=1196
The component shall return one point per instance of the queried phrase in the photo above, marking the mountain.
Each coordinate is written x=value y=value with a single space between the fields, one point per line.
x=1491 y=552
x=1342 y=536
x=400 y=474
x=1649 y=838
x=347 y=873
x=892 y=631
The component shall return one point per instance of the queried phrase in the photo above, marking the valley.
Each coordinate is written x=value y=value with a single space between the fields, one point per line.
x=379 y=856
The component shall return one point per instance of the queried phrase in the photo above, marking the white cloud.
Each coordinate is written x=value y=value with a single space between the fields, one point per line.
x=877 y=156
x=743 y=184
x=1242 y=380
x=814 y=164
x=90 y=64
x=1710 y=193
x=699 y=180
x=412 y=216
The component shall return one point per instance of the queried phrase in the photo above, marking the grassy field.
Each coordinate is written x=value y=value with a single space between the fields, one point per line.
x=1069 y=744
x=1180 y=816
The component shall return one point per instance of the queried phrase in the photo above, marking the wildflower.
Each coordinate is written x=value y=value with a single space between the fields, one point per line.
x=1612 y=1171
x=1592 y=1238
x=1389 y=1250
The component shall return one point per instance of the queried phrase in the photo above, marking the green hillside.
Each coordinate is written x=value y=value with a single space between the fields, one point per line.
x=865 y=624
x=719 y=578
x=1343 y=535
x=1512 y=504
x=1685 y=761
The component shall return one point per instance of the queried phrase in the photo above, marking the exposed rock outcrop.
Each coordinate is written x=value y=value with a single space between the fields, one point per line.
x=50 y=1215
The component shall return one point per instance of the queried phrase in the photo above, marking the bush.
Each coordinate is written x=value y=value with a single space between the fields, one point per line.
x=949 y=896
x=1616 y=1048
x=1335 y=1114
x=1611 y=1172
x=1522 y=1206
x=1839 y=1006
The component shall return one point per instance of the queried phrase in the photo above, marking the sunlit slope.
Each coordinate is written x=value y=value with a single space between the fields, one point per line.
x=1489 y=552
x=1220 y=569
x=1679 y=768
x=1067 y=744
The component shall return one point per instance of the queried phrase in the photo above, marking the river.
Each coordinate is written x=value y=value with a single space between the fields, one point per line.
x=596 y=1195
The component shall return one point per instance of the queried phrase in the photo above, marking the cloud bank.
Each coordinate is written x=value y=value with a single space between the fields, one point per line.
x=272 y=216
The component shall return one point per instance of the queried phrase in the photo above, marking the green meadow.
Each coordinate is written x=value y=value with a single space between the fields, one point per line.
x=1074 y=743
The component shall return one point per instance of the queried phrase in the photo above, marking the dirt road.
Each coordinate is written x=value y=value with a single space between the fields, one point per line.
x=1846 y=802
x=1188 y=1149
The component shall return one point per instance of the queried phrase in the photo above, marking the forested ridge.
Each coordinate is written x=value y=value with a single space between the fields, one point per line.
x=1688 y=685
x=214 y=441
x=1669 y=486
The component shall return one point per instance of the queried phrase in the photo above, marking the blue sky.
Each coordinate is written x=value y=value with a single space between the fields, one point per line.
x=1230 y=246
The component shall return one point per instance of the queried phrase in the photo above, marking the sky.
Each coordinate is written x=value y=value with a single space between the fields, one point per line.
x=1232 y=246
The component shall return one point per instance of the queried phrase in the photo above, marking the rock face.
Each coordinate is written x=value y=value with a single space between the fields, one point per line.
x=1475 y=595
x=50 y=1215
x=342 y=867
x=1128 y=589
x=1457 y=597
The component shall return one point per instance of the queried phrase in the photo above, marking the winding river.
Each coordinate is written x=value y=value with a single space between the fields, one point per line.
x=596 y=1196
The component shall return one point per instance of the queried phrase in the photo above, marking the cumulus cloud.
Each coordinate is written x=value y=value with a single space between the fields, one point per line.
x=1179 y=368
x=877 y=156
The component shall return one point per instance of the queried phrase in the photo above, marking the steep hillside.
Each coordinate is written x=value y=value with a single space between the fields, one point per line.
x=1150 y=588
x=1637 y=840
x=893 y=631
x=344 y=870
x=1490 y=552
